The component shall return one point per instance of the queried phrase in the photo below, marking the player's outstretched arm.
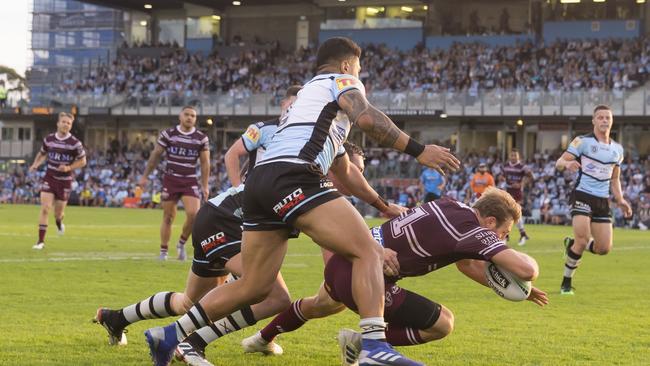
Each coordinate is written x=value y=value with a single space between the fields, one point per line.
x=520 y=264
x=474 y=269
x=152 y=163
x=233 y=168
x=380 y=128
x=354 y=182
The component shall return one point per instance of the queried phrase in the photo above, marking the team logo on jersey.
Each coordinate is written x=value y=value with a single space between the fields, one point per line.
x=289 y=202
x=213 y=241
x=342 y=83
x=594 y=149
x=252 y=133
x=326 y=183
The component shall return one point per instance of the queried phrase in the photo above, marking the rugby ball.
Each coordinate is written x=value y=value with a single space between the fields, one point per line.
x=506 y=284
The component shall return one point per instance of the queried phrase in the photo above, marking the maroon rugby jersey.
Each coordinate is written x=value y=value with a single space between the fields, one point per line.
x=436 y=234
x=183 y=150
x=61 y=151
x=514 y=173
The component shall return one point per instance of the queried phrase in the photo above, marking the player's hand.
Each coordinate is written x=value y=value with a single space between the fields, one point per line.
x=538 y=296
x=391 y=264
x=516 y=185
x=142 y=182
x=394 y=210
x=206 y=193
x=627 y=209
x=32 y=168
x=573 y=166
x=438 y=158
x=64 y=168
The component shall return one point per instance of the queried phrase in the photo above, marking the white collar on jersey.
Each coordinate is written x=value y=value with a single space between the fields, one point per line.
x=178 y=127
x=67 y=135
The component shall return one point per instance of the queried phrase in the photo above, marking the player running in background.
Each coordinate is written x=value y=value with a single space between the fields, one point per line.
x=596 y=158
x=64 y=153
x=481 y=180
x=183 y=145
x=287 y=190
x=516 y=174
x=255 y=140
x=431 y=184
x=424 y=240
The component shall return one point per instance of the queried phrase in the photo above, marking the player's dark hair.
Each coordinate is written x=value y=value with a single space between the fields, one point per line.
x=335 y=50
x=498 y=204
x=602 y=107
x=353 y=149
x=292 y=91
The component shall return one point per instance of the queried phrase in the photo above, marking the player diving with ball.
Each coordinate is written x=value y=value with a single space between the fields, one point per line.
x=422 y=240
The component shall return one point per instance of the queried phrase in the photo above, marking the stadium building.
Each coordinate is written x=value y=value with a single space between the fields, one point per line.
x=126 y=67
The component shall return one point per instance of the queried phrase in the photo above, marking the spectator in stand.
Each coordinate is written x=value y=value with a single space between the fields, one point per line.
x=481 y=180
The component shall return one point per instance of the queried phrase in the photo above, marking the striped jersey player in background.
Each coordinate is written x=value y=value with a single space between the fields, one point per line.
x=183 y=145
x=64 y=153
x=597 y=159
x=516 y=174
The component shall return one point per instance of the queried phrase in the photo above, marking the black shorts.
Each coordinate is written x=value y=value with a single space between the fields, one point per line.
x=215 y=240
x=430 y=196
x=276 y=194
x=597 y=208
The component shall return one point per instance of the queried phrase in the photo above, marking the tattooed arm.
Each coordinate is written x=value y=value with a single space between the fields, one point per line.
x=380 y=128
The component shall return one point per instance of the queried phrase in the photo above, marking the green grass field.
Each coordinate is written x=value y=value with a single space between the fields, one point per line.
x=107 y=258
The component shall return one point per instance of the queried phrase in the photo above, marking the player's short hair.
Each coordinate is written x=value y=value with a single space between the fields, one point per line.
x=602 y=107
x=188 y=107
x=353 y=149
x=498 y=204
x=336 y=49
x=514 y=151
x=292 y=91
x=66 y=114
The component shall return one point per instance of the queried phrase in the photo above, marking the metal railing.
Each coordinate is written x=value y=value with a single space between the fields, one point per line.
x=465 y=103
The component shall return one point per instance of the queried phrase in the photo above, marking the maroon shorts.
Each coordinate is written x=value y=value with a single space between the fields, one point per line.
x=59 y=188
x=517 y=195
x=175 y=187
x=338 y=284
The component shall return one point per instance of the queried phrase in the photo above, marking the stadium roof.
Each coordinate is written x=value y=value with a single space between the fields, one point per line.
x=177 y=4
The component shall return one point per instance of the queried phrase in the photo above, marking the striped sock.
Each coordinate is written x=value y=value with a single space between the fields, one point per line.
x=238 y=320
x=196 y=318
x=181 y=241
x=397 y=335
x=590 y=246
x=373 y=328
x=571 y=264
x=42 y=229
x=287 y=321
x=154 y=307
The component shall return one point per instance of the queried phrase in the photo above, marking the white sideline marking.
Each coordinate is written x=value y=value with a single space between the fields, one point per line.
x=149 y=257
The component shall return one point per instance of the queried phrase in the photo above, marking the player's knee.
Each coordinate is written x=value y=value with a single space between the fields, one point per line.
x=168 y=219
x=445 y=323
x=602 y=250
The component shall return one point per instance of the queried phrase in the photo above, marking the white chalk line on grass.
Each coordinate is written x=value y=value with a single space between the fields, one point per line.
x=67 y=257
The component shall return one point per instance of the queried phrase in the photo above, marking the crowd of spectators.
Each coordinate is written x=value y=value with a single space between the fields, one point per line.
x=179 y=77
x=110 y=179
x=547 y=196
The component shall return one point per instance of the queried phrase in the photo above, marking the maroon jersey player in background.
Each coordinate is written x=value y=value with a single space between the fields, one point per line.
x=64 y=153
x=183 y=145
x=516 y=174
x=423 y=240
